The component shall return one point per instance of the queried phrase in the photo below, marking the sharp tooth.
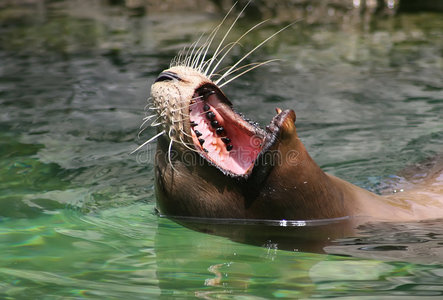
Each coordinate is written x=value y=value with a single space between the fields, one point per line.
x=229 y=147
x=220 y=130
x=226 y=140
x=201 y=141
x=210 y=115
x=214 y=123
x=198 y=133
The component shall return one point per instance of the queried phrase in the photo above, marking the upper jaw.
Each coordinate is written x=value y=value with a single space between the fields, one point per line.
x=234 y=145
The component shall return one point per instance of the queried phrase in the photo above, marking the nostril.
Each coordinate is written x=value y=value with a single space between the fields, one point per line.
x=167 y=76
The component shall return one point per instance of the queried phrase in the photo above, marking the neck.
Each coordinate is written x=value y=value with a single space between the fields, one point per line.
x=299 y=189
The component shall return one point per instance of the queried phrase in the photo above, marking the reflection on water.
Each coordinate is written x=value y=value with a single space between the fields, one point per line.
x=76 y=217
x=419 y=242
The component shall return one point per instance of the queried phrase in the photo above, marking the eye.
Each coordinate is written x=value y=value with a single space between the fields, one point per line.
x=167 y=76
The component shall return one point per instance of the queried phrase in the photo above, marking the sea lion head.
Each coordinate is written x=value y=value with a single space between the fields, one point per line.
x=197 y=116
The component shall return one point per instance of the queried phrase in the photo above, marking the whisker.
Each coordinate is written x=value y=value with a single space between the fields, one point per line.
x=181 y=130
x=213 y=34
x=141 y=131
x=191 y=54
x=198 y=54
x=244 y=72
x=149 y=100
x=177 y=59
x=156 y=121
x=162 y=114
x=185 y=144
x=238 y=69
x=169 y=149
x=211 y=37
x=215 y=58
x=238 y=40
x=147 y=120
x=148 y=141
x=226 y=34
x=194 y=55
x=184 y=106
x=255 y=48
x=205 y=47
x=186 y=58
x=144 y=122
x=182 y=141
x=148 y=117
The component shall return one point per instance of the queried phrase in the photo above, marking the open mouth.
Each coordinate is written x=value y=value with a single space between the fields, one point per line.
x=221 y=135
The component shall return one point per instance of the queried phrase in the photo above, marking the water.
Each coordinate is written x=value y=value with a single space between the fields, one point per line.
x=77 y=211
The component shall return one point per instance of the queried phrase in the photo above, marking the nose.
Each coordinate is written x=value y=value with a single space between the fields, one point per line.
x=167 y=76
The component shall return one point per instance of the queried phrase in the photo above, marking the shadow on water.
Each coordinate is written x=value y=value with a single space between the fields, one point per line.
x=419 y=242
x=311 y=236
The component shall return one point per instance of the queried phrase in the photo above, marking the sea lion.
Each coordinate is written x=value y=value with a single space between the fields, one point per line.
x=213 y=163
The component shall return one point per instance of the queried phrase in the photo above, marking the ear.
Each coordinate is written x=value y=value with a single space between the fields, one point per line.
x=286 y=124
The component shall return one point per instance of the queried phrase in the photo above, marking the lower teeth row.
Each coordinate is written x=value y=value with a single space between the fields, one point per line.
x=215 y=124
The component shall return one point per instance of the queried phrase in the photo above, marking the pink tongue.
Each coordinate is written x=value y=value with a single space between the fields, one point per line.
x=221 y=141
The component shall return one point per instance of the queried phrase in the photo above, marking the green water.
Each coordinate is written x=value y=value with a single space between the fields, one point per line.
x=77 y=210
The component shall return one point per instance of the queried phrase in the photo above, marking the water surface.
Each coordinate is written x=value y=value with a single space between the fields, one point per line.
x=77 y=211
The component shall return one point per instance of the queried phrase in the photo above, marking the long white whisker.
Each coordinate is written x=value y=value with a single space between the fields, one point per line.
x=148 y=141
x=180 y=108
x=244 y=72
x=146 y=120
x=198 y=54
x=149 y=100
x=181 y=130
x=156 y=122
x=183 y=142
x=187 y=57
x=184 y=105
x=208 y=45
x=252 y=65
x=255 y=48
x=192 y=55
x=162 y=114
x=205 y=47
x=214 y=58
x=142 y=130
x=236 y=70
x=170 y=149
x=226 y=34
x=212 y=36
x=238 y=40
x=179 y=57
x=148 y=117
